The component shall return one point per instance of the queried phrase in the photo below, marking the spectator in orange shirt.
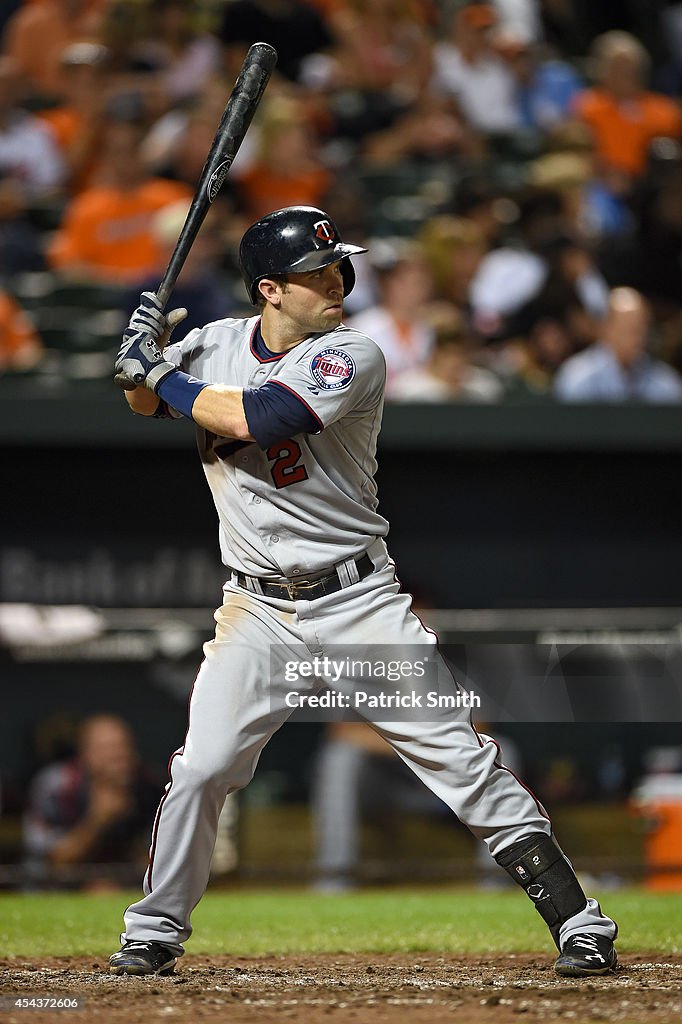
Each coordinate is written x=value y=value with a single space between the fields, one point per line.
x=37 y=34
x=623 y=116
x=77 y=122
x=286 y=171
x=20 y=346
x=106 y=232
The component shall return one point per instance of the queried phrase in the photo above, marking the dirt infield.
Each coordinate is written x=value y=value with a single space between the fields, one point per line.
x=370 y=989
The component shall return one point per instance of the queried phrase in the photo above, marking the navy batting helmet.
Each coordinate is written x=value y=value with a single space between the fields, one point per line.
x=293 y=241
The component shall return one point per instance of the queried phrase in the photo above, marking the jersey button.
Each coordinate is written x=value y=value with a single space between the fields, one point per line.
x=256 y=500
x=245 y=458
x=275 y=539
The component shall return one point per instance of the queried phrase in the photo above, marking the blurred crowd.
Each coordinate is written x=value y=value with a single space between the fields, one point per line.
x=514 y=167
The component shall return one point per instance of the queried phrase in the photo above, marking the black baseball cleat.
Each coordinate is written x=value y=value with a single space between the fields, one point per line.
x=142 y=958
x=586 y=955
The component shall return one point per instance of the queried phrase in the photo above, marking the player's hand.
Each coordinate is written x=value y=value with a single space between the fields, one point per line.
x=140 y=357
x=141 y=360
x=150 y=318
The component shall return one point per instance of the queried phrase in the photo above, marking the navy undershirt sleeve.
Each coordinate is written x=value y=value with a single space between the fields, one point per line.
x=274 y=412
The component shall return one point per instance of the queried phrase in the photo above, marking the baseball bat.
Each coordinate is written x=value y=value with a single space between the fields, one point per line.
x=241 y=106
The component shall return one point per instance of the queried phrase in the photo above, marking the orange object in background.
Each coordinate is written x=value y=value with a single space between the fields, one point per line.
x=107 y=233
x=20 y=346
x=658 y=800
x=623 y=131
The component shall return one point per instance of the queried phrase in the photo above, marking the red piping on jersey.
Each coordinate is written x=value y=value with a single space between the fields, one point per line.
x=157 y=819
x=270 y=359
x=301 y=400
x=496 y=762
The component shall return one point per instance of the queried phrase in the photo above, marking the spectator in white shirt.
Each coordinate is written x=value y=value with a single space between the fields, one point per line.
x=450 y=375
x=398 y=322
x=618 y=367
x=468 y=69
x=29 y=155
x=514 y=274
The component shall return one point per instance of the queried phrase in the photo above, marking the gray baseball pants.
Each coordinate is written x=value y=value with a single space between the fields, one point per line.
x=235 y=707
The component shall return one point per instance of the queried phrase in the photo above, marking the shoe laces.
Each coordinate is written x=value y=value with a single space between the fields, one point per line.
x=589 y=942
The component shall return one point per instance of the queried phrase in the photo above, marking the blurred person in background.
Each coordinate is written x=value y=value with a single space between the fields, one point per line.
x=202 y=288
x=185 y=58
x=357 y=775
x=29 y=156
x=38 y=33
x=20 y=345
x=542 y=341
x=623 y=116
x=467 y=69
x=77 y=120
x=453 y=248
x=594 y=210
x=618 y=367
x=545 y=86
x=176 y=144
x=21 y=242
x=93 y=809
x=370 y=87
x=652 y=259
x=479 y=199
x=380 y=45
x=449 y=374
x=106 y=233
x=426 y=130
x=546 y=244
x=398 y=322
x=287 y=170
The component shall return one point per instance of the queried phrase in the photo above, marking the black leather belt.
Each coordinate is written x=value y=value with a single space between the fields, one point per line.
x=303 y=589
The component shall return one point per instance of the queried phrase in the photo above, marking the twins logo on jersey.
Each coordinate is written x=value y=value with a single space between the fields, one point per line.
x=332 y=369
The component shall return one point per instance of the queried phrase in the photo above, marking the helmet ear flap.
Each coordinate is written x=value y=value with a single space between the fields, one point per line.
x=348 y=275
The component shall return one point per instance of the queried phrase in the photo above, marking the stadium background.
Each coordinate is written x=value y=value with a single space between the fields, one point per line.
x=506 y=507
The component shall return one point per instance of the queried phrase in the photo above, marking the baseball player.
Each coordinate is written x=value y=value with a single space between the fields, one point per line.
x=288 y=406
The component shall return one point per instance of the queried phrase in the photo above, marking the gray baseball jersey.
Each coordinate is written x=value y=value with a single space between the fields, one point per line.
x=309 y=502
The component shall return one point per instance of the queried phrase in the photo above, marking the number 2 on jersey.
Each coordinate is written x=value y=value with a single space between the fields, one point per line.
x=284 y=470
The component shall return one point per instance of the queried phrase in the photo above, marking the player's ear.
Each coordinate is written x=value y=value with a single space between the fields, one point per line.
x=271 y=291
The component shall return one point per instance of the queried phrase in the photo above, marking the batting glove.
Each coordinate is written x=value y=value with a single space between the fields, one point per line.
x=140 y=358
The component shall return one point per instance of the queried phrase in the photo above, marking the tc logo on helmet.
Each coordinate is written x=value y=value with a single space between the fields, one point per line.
x=332 y=369
x=324 y=231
